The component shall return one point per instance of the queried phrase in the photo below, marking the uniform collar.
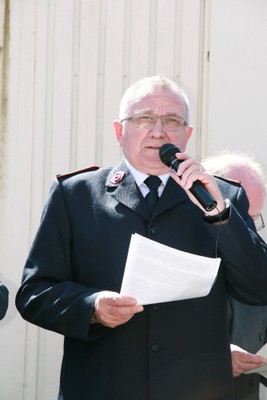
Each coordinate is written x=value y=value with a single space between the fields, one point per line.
x=140 y=177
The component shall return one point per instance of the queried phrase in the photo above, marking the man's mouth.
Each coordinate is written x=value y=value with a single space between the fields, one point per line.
x=153 y=147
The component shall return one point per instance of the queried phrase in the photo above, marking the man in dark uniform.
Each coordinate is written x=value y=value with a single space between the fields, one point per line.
x=115 y=348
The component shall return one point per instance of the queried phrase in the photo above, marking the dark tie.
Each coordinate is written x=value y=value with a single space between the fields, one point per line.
x=152 y=183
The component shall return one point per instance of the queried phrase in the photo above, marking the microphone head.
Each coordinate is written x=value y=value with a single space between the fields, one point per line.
x=167 y=153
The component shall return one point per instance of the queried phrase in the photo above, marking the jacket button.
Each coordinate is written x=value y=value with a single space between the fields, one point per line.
x=155 y=347
x=155 y=306
x=261 y=336
x=153 y=229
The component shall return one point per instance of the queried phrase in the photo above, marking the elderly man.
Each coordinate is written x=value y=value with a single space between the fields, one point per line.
x=115 y=348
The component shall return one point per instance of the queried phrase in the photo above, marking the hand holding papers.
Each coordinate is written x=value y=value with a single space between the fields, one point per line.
x=261 y=370
x=155 y=273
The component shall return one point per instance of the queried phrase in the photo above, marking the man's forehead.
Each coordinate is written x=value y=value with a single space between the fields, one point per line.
x=151 y=101
x=149 y=110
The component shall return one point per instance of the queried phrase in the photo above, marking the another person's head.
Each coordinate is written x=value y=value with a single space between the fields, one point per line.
x=140 y=134
x=244 y=169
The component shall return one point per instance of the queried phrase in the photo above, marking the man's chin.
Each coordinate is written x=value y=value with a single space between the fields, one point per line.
x=155 y=167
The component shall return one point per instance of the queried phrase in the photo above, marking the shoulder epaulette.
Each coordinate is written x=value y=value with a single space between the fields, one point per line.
x=79 y=171
x=228 y=180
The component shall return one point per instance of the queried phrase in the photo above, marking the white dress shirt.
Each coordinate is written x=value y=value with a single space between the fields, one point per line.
x=140 y=177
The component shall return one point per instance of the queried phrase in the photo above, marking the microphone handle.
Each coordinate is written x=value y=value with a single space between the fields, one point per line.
x=198 y=190
x=203 y=196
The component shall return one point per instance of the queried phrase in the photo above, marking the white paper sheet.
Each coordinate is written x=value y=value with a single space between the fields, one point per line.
x=155 y=273
x=261 y=370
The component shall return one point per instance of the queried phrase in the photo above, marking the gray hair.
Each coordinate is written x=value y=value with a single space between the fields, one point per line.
x=150 y=85
x=228 y=164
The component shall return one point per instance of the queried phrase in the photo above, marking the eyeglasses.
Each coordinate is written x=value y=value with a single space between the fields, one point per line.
x=259 y=222
x=147 y=121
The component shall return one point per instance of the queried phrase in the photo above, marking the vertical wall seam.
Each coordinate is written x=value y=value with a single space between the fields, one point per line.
x=126 y=55
x=4 y=79
x=76 y=39
x=33 y=120
x=100 y=83
x=177 y=42
x=49 y=96
x=203 y=82
x=152 y=37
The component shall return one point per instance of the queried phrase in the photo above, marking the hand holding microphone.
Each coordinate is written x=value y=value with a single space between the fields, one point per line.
x=167 y=155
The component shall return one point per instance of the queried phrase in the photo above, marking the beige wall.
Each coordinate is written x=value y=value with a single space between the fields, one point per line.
x=237 y=84
x=64 y=66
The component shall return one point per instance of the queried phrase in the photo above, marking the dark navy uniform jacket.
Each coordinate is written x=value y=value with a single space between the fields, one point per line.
x=170 y=351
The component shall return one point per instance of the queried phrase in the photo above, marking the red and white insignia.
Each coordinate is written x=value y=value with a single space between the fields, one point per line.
x=118 y=177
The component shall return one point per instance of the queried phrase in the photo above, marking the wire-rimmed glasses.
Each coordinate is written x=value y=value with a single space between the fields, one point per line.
x=147 y=121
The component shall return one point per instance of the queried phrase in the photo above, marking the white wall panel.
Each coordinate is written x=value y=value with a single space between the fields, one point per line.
x=166 y=35
x=14 y=238
x=111 y=62
x=64 y=65
x=86 y=139
x=237 y=101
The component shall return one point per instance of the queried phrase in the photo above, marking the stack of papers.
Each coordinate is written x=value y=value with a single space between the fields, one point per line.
x=261 y=370
x=155 y=273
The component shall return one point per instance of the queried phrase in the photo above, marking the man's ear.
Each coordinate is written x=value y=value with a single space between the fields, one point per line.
x=117 y=125
x=189 y=133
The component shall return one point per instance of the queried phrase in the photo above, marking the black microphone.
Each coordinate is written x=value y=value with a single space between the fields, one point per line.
x=167 y=155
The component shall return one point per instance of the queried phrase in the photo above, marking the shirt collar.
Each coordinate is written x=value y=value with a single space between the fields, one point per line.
x=139 y=177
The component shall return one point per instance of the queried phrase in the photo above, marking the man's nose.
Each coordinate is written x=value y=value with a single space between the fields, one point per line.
x=158 y=129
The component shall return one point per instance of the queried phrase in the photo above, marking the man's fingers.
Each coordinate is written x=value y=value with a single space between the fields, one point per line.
x=243 y=361
x=112 y=309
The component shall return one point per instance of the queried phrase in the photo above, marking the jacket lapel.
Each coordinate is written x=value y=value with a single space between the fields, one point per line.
x=125 y=190
x=172 y=195
x=121 y=185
